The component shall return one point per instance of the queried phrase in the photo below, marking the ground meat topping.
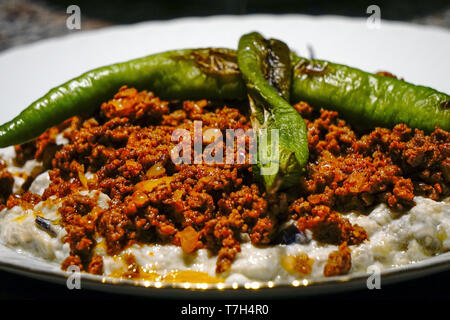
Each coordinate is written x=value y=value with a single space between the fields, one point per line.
x=125 y=149
x=339 y=262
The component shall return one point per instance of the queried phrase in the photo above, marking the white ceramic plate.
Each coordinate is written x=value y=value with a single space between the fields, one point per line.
x=416 y=53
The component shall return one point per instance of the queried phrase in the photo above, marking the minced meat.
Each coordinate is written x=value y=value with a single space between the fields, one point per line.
x=127 y=146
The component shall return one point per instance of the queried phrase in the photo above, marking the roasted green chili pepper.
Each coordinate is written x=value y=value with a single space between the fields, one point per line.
x=182 y=74
x=365 y=98
x=266 y=70
x=369 y=99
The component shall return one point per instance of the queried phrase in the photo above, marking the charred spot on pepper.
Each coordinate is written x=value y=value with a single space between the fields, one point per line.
x=311 y=68
x=277 y=70
x=445 y=105
x=388 y=74
x=213 y=61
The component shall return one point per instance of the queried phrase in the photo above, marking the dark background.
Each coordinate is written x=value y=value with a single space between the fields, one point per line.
x=26 y=21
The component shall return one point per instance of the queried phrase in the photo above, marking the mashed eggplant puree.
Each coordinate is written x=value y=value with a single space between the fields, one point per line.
x=103 y=194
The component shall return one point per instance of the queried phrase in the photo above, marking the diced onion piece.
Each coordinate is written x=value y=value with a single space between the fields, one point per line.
x=82 y=177
x=156 y=170
x=150 y=185
x=188 y=238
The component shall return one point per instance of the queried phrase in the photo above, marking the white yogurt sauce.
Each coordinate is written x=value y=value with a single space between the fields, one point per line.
x=394 y=240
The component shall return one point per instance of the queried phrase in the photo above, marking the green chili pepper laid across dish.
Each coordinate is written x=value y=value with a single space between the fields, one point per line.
x=368 y=99
x=265 y=67
x=361 y=97
x=181 y=74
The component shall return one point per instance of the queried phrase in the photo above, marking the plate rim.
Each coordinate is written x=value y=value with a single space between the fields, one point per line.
x=337 y=284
